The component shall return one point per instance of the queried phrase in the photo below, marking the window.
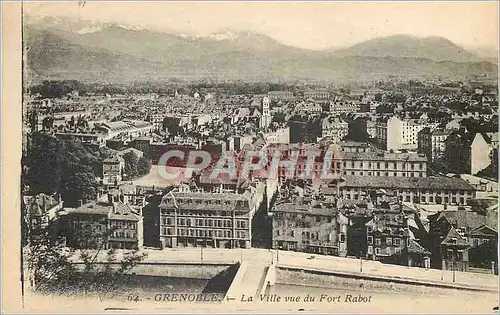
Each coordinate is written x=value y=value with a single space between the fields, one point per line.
x=397 y=241
x=388 y=241
x=370 y=229
x=397 y=250
x=370 y=250
x=377 y=251
x=292 y=233
x=370 y=240
x=377 y=241
x=342 y=237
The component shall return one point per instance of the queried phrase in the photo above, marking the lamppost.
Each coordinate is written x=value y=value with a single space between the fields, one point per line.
x=360 y=261
x=453 y=266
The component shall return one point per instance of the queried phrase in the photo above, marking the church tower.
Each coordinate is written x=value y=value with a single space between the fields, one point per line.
x=265 y=119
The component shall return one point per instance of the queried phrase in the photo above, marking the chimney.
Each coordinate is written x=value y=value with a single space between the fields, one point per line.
x=44 y=204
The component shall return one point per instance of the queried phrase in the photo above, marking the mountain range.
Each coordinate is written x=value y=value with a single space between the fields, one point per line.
x=58 y=48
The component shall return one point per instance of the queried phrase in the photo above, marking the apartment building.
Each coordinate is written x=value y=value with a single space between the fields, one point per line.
x=106 y=224
x=305 y=225
x=208 y=219
x=432 y=143
x=482 y=149
x=280 y=95
x=387 y=232
x=397 y=134
x=334 y=127
x=381 y=164
x=344 y=107
x=423 y=190
x=112 y=170
x=317 y=94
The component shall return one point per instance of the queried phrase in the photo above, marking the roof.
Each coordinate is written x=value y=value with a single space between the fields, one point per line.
x=123 y=212
x=416 y=248
x=384 y=156
x=217 y=201
x=115 y=211
x=483 y=230
x=462 y=218
x=454 y=239
x=93 y=208
x=114 y=159
x=318 y=209
x=430 y=183
x=354 y=144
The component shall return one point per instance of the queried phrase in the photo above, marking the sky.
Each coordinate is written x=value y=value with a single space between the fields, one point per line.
x=311 y=25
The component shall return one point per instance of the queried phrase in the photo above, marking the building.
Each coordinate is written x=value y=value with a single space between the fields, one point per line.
x=236 y=143
x=112 y=170
x=207 y=219
x=317 y=94
x=381 y=164
x=130 y=128
x=266 y=118
x=419 y=190
x=309 y=107
x=397 y=134
x=432 y=143
x=459 y=237
x=387 y=233
x=343 y=107
x=306 y=225
x=281 y=135
x=355 y=146
x=280 y=95
x=103 y=224
x=482 y=151
x=334 y=127
x=293 y=159
x=97 y=139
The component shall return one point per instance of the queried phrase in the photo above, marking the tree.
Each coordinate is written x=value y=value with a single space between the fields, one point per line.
x=64 y=166
x=50 y=268
x=143 y=166
x=131 y=162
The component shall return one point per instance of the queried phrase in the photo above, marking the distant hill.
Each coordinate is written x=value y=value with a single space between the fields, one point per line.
x=433 y=48
x=116 y=53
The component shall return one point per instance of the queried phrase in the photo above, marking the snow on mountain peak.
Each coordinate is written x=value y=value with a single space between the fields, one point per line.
x=89 y=29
